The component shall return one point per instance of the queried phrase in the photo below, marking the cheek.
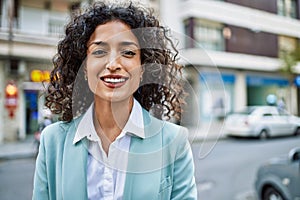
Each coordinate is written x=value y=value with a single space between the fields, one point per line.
x=93 y=66
x=134 y=66
x=136 y=77
x=135 y=70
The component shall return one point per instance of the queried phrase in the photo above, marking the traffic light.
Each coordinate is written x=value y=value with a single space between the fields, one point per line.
x=11 y=98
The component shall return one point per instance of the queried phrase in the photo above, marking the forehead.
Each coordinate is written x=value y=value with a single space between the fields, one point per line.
x=113 y=31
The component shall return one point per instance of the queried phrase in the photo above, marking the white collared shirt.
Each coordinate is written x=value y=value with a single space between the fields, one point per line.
x=106 y=173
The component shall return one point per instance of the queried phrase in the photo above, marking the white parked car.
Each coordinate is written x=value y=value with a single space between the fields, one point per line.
x=261 y=122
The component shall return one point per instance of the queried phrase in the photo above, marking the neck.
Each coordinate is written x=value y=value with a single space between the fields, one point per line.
x=111 y=117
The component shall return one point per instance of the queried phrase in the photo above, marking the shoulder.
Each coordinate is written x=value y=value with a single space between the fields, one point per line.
x=171 y=131
x=57 y=132
x=168 y=129
x=172 y=134
x=171 y=128
x=55 y=129
x=175 y=136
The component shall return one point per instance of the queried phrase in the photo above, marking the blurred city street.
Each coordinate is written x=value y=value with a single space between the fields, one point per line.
x=235 y=54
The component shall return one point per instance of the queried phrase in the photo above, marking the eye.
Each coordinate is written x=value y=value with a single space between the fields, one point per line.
x=128 y=53
x=99 y=52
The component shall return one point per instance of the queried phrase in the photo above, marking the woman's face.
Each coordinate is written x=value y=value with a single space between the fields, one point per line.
x=113 y=62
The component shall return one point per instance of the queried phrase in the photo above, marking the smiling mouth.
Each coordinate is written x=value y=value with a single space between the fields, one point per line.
x=114 y=81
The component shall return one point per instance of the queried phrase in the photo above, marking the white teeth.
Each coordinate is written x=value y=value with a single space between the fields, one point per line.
x=114 y=80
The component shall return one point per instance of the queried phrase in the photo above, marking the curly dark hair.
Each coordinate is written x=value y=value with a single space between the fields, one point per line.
x=161 y=90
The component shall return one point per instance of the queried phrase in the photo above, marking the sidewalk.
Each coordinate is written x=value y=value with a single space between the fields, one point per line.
x=26 y=148
x=18 y=149
x=211 y=131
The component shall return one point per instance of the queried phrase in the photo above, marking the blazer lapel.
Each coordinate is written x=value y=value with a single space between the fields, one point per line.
x=74 y=179
x=145 y=161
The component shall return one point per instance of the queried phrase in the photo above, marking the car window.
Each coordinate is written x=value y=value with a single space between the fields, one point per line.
x=267 y=114
x=246 y=111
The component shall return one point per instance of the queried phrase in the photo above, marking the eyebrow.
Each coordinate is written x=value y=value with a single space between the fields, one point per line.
x=100 y=43
x=124 y=43
x=128 y=43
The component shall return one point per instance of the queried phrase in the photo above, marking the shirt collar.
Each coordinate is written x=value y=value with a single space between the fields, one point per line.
x=134 y=125
x=86 y=127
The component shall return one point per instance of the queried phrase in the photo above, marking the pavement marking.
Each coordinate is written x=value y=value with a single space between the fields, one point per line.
x=248 y=195
x=205 y=185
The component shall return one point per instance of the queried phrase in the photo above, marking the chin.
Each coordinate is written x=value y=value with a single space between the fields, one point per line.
x=114 y=98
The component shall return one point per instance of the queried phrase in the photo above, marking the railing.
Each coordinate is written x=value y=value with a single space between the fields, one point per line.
x=18 y=35
x=55 y=27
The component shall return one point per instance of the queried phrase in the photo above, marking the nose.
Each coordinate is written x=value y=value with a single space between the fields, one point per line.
x=113 y=63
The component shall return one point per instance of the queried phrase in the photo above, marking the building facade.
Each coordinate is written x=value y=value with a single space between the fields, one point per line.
x=29 y=33
x=231 y=49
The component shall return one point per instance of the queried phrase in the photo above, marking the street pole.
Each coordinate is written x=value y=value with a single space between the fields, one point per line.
x=10 y=20
x=10 y=30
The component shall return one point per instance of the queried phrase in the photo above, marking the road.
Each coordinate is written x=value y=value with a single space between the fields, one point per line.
x=226 y=169
x=16 y=178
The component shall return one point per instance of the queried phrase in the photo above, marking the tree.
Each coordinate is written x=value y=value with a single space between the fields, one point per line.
x=290 y=58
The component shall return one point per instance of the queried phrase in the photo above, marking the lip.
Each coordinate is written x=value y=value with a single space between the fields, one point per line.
x=114 y=80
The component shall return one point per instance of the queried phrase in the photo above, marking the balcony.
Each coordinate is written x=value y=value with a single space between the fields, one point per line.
x=34 y=34
x=198 y=56
x=253 y=19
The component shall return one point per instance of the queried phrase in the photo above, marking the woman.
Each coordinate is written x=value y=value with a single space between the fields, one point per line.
x=113 y=68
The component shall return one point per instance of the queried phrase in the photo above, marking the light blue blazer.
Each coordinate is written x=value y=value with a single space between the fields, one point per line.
x=160 y=166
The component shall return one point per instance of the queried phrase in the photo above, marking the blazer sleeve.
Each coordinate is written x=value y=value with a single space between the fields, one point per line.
x=40 y=185
x=184 y=186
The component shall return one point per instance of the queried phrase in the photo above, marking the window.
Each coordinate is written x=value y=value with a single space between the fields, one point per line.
x=288 y=47
x=55 y=27
x=287 y=8
x=188 y=29
x=1 y=2
x=209 y=35
x=16 y=13
x=13 y=67
x=287 y=43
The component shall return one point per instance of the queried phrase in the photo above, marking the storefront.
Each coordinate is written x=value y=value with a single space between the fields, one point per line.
x=259 y=87
x=216 y=92
x=23 y=109
x=34 y=98
x=223 y=92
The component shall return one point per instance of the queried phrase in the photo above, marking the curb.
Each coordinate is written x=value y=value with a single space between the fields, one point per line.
x=17 y=156
x=206 y=139
x=21 y=149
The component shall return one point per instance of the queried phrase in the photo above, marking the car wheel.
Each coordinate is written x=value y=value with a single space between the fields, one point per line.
x=297 y=132
x=272 y=194
x=263 y=134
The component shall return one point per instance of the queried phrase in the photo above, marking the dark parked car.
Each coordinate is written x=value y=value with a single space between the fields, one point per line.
x=279 y=179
